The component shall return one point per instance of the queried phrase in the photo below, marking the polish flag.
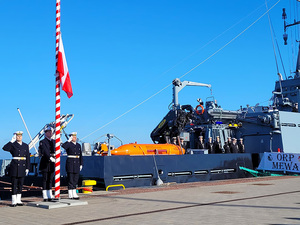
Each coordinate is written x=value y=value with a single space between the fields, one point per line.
x=62 y=70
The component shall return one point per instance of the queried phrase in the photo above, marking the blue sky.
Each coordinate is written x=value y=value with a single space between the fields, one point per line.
x=120 y=53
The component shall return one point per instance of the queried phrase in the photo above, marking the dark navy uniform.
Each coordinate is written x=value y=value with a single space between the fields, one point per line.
x=241 y=147
x=227 y=147
x=19 y=164
x=210 y=147
x=217 y=147
x=47 y=168
x=234 y=148
x=200 y=145
x=74 y=161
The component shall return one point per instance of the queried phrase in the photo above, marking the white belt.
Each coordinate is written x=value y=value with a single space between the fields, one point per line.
x=74 y=156
x=20 y=158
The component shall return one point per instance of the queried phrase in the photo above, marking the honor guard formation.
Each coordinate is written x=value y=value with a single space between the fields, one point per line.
x=19 y=166
x=230 y=146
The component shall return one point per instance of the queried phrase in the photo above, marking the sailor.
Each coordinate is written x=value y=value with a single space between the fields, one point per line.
x=241 y=146
x=19 y=166
x=200 y=143
x=74 y=164
x=234 y=146
x=47 y=163
x=174 y=142
x=227 y=145
x=183 y=144
x=218 y=146
x=209 y=145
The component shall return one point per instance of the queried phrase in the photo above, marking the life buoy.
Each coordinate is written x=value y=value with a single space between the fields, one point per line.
x=202 y=109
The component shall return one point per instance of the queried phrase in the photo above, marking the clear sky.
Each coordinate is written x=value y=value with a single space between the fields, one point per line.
x=120 y=53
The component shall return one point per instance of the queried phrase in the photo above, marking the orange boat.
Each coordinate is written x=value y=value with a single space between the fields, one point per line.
x=148 y=149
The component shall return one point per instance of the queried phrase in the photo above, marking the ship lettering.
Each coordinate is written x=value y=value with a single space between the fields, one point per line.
x=285 y=166
x=285 y=157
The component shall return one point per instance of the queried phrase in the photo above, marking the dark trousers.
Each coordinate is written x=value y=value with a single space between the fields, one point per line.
x=17 y=185
x=47 y=180
x=72 y=180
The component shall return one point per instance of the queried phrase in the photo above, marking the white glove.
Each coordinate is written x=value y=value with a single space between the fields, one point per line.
x=52 y=159
x=70 y=139
x=80 y=167
x=27 y=171
x=13 y=139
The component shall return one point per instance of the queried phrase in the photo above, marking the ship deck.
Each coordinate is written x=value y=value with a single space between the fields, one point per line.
x=262 y=200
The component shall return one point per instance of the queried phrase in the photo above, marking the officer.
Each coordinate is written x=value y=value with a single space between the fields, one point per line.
x=241 y=146
x=218 y=146
x=234 y=146
x=200 y=143
x=19 y=166
x=47 y=163
x=74 y=164
x=227 y=145
x=209 y=145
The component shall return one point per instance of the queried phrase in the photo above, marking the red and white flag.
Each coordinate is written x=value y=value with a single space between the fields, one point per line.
x=62 y=70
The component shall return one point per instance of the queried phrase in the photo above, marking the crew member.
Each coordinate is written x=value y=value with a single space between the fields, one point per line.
x=74 y=164
x=234 y=146
x=183 y=143
x=47 y=163
x=19 y=166
x=200 y=143
x=210 y=146
x=174 y=142
x=218 y=146
x=227 y=145
x=241 y=146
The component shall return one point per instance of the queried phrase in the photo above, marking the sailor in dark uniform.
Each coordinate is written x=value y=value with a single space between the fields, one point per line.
x=47 y=163
x=74 y=164
x=218 y=146
x=183 y=144
x=200 y=143
x=234 y=146
x=19 y=166
x=241 y=146
x=227 y=145
x=210 y=146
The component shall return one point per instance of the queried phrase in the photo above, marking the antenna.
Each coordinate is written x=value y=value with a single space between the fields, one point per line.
x=285 y=35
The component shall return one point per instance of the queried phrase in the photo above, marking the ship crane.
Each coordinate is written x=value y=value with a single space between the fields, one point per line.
x=178 y=86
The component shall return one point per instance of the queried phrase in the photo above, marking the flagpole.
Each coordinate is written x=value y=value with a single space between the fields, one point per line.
x=57 y=107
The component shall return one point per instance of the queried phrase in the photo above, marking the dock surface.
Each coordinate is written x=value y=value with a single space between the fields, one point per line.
x=264 y=200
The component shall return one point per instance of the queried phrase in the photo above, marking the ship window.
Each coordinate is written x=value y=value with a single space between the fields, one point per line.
x=293 y=88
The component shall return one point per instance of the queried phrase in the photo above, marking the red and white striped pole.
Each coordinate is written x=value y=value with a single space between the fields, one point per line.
x=57 y=108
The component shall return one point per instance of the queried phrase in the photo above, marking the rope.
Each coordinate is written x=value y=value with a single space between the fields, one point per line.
x=186 y=72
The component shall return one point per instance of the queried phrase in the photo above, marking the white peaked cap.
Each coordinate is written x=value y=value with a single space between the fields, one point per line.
x=73 y=134
x=48 y=128
x=19 y=132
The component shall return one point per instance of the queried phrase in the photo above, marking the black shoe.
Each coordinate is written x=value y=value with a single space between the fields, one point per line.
x=13 y=205
x=20 y=204
x=76 y=198
x=45 y=200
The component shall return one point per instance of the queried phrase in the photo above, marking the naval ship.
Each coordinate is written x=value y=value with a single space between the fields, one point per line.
x=273 y=128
